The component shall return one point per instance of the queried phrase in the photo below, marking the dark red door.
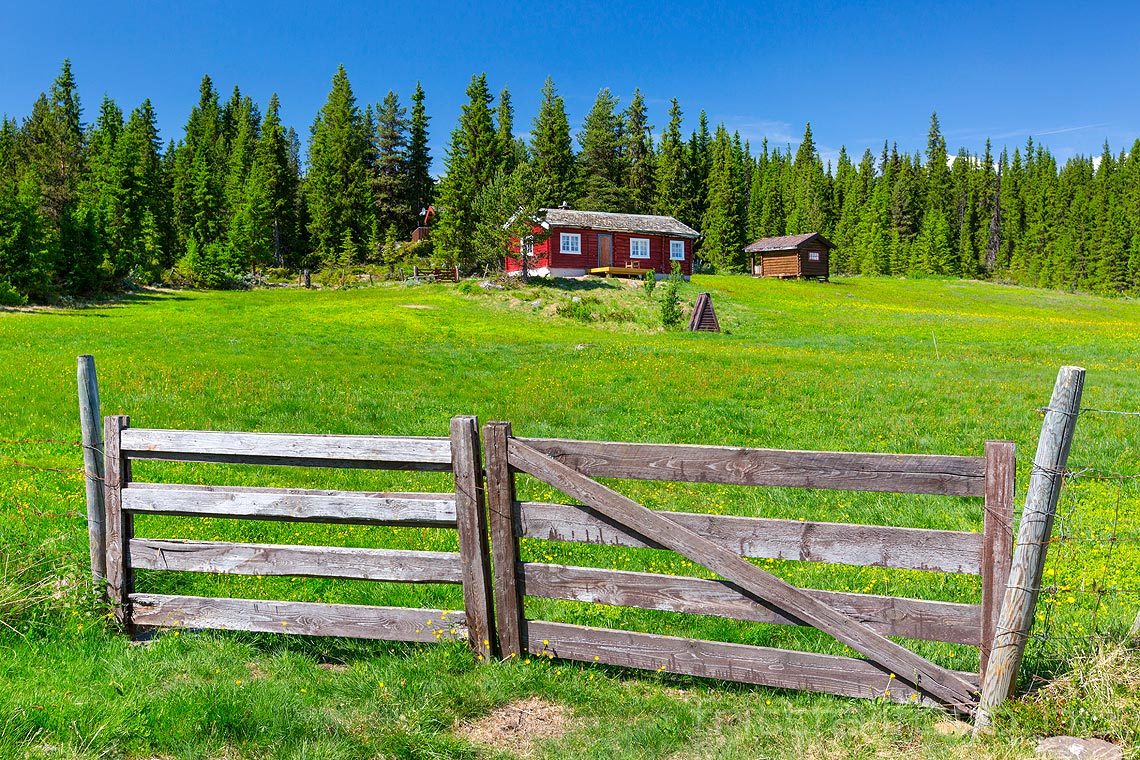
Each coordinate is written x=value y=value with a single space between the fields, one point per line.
x=605 y=250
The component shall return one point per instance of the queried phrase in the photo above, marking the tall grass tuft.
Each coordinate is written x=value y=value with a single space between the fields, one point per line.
x=23 y=586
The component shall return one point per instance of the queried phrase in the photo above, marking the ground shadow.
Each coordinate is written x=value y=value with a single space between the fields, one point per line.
x=92 y=307
x=572 y=284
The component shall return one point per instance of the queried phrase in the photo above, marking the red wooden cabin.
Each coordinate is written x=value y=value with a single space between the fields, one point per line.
x=596 y=242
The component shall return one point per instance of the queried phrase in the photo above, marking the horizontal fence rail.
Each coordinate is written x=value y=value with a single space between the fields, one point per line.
x=293 y=504
x=895 y=616
x=899 y=473
x=781 y=668
x=302 y=618
x=379 y=452
x=865 y=545
x=397 y=565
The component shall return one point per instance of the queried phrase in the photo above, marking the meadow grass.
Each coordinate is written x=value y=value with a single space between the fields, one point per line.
x=859 y=364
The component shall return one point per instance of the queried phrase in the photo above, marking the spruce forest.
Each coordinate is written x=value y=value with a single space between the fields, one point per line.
x=93 y=203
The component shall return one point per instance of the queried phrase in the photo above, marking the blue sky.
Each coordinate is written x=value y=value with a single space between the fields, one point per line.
x=860 y=72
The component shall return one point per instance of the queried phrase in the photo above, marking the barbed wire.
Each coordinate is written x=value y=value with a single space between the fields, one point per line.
x=1088 y=410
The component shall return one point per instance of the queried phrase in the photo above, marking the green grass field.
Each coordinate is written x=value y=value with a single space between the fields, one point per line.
x=859 y=364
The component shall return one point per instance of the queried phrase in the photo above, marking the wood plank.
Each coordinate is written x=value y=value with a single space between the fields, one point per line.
x=509 y=620
x=293 y=504
x=900 y=473
x=474 y=549
x=301 y=618
x=398 y=565
x=940 y=683
x=894 y=616
x=864 y=545
x=118 y=523
x=378 y=452
x=91 y=428
x=781 y=668
x=1020 y=600
x=997 y=549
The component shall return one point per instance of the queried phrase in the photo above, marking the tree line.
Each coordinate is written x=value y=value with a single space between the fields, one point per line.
x=87 y=207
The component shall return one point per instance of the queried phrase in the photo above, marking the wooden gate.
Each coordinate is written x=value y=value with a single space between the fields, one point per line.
x=463 y=509
x=721 y=543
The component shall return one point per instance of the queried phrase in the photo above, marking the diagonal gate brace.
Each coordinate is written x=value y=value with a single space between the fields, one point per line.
x=939 y=683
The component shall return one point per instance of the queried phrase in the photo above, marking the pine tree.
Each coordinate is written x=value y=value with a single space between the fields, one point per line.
x=756 y=197
x=139 y=151
x=420 y=185
x=390 y=168
x=773 y=218
x=241 y=122
x=198 y=173
x=472 y=164
x=639 y=157
x=337 y=185
x=809 y=198
x=602 y=164
x=512 y=151
x=552 y=154
x=25 y=270
x=102 y=191
x=906 y=210
x=699 y=164
x=506 y=211
x=671 y=196
x=266 y=216
x=723 y=245
x=848 y=200
x=56 y=152
x=938 y=185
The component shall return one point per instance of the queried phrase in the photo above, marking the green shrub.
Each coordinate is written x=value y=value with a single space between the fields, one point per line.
x=9 y=296
x=582 y=310
x=649 y=282
x=670 y=305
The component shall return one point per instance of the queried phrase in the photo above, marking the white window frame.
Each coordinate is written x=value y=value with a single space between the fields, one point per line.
x=813 y=255
x=566 y=237
x=634 y=255
x=526 y=246
x=672 y=256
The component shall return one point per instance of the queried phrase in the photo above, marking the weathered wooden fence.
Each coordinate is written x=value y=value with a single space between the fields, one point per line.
x=721 y=543
x=463 y=509
x=494 y=619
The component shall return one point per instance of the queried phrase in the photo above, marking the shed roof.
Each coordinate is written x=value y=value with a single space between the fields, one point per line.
x=602 y=220
x=786 y=242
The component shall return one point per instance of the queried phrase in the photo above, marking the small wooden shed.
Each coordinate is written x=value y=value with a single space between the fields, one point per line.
x=804 y=256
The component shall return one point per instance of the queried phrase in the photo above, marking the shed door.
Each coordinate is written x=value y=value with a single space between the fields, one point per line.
x=605 y=250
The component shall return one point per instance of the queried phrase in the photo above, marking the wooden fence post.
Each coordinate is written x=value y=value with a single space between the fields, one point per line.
x=504 y=540
x=120 y=525
x=474 y=549
x=997 y=538
x=1024 y=583
x=92 y=435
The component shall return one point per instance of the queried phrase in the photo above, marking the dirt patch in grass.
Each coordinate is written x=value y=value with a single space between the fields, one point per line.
x=517 y=727
x=415 y=306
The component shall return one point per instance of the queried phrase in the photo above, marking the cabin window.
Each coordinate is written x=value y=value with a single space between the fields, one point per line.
x=526 y=246
x=639 y=248
x=813 y=255
x=676 y=250
x=571 y=242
